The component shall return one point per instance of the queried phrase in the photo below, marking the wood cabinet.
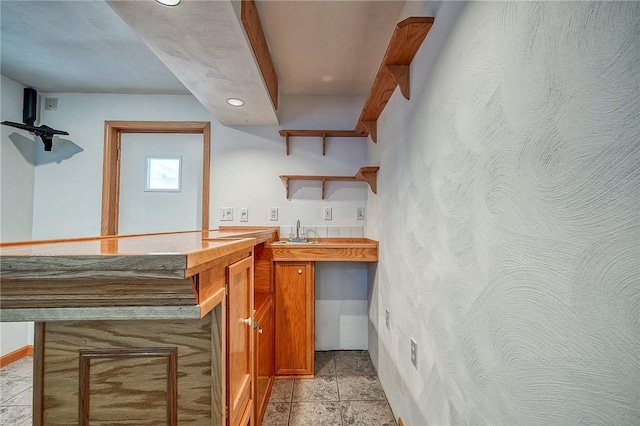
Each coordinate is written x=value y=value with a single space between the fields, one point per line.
x=294 y=319
x=264 y=356
x=240 y=342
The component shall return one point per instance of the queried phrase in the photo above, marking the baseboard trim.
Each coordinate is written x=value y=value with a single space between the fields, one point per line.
x=16 y=355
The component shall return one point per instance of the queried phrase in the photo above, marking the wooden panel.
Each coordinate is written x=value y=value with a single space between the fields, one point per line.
x=264 y=359
x=327 y=249
x=253 y=28
x=219 y=364
x=113 y=381
x=321 y=133
x=263 y=272
x=110 y=180
x=209 y=258
x=101 y=313
x=239 y=340
x=294 y=319
x=206 y=174
x=65 y=339
x=38 y=374
x=83 y=292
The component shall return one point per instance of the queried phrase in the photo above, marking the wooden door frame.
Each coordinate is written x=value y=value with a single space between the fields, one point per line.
x=113 y=131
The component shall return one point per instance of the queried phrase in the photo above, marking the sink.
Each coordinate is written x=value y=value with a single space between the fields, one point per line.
x=294 y=242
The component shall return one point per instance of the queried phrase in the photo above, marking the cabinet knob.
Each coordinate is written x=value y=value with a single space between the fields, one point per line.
x=299 y=271
x=248 y=321
x=260 y=331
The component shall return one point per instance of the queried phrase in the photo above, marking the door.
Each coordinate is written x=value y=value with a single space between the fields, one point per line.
x=145 y=209
x=240 y=342
x=294 y=319
x=264 y=358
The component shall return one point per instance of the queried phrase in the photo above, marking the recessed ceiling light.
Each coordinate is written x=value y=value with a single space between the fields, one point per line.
x=169 y=2
x=236 y=102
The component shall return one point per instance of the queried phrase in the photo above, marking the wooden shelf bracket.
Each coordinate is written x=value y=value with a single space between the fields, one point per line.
x=366 y=174
x=394 y=70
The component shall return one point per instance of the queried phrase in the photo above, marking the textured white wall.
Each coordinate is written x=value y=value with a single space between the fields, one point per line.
x=508 y=214
x=17 y=177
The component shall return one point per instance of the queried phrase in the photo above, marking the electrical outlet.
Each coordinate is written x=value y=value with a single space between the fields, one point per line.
x=327 y=213
x=414 y=353
x=273 y=213
x=226 y=213
x=387 y=319
x=244 y=214
x=360 y=213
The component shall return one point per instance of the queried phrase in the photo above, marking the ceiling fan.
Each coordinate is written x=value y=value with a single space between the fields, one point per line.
x=45 y=133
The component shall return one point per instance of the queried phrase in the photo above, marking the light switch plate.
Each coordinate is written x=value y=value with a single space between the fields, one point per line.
x=226 y=213
x=244 y=214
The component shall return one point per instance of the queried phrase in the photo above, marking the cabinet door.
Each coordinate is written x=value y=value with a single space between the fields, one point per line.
x=294 y=317
x=264 y=358
x=239 y=341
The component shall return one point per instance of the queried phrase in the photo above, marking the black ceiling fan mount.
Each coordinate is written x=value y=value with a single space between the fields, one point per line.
x=45 y=133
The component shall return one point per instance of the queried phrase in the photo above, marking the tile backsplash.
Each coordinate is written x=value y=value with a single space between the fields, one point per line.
x=324 y=231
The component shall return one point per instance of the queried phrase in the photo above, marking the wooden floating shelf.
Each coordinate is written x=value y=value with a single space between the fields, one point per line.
x=393 y=72
x=365 y=174
x=324 y=134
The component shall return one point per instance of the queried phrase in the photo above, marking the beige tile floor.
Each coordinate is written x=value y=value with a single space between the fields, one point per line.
x=345 y=392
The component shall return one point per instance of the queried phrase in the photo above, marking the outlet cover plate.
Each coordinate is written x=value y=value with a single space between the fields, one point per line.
x=360 y=213
x=327 y=213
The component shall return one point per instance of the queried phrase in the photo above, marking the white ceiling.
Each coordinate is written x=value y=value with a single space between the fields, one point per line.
x=137 y=46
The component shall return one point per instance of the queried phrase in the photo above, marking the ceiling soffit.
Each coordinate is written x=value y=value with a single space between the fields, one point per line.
x=204 y=45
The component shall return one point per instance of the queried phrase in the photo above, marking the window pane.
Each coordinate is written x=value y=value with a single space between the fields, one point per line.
x=163 y=174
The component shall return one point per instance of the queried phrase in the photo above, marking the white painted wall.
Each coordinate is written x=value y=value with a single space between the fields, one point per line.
x=17 y=177
x=245 y=166
x=509 y=221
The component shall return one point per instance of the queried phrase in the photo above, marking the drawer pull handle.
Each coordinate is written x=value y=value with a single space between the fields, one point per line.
x=299 y=271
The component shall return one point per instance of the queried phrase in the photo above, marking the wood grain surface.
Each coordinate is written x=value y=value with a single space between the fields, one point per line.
x=130 y=390
x=403 y=46
x=294 y=319
x=328 y=249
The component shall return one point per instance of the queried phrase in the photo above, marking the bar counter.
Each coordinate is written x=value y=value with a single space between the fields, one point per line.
x=129 y=329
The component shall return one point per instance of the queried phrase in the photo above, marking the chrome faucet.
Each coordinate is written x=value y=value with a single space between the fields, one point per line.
x=298 y=238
